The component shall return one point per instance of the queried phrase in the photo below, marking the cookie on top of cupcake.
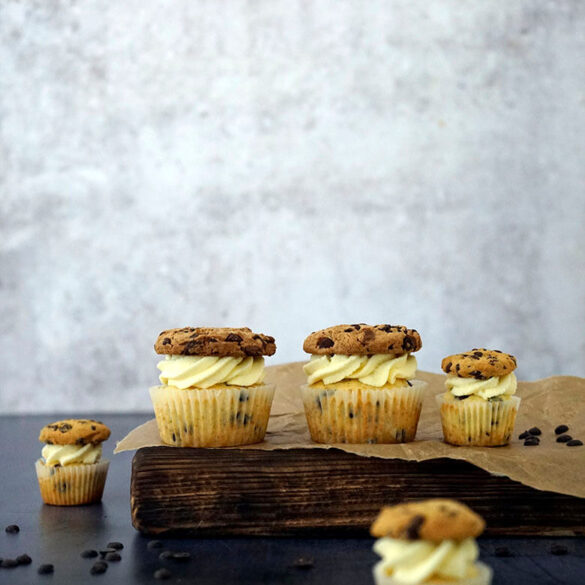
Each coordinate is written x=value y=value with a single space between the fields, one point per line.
x=479 y=407
x=361 y=385
x=71 y=471
x=431 y=542
x=212 y=391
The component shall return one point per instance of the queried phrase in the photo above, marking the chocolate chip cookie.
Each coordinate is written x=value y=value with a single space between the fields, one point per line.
x=74 y=432
x=480 y=364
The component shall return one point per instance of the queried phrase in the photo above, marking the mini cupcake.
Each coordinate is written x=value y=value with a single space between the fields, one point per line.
x=71 y=471
x=479 y=407
x=212 y=392
x=361 y=386
x=430 y=542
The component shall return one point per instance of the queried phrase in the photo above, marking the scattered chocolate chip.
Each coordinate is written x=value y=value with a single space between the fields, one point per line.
x=12 y=529
x=113 y=557
x=162 y=574
x=182 y=556
x=535 y=431
x=503 y=551
x=574 y=443
x=46 y=569
x=561 y=429
x=564 y=438
x=531 y=442
x=89 y=554
x=23 y=559
x=524 y=435
x=304 y=563
x=106 y=551
x=98 y=568
x=115 y=545
x=412 y=530
x=165 y=555
x=559 y=549
x=154 y=544
x=9 y=563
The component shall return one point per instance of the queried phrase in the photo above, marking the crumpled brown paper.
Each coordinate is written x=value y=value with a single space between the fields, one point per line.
x=545 y=403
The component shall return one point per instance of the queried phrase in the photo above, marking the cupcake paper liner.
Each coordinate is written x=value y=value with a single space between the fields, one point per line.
x=72 y=485
x=478 y=423
x=483 y=577
x=223 y=417
x=363 y=415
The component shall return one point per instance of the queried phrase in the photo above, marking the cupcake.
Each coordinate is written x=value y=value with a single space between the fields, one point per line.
x=212 y=392
x=71 y=471
x=361 y=386
x=479 y=407
x=430 y=542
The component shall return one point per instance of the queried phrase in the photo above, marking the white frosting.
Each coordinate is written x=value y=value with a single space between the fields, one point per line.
x=71 y=454
x=415 y=561
x=490 y=388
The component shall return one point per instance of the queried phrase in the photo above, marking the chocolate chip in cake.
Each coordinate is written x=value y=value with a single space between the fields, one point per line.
x=115 y=545
x=89 y=554
x=559 y=549
x=23 y=559
x=46 y=569
x=561 y=429
x=503 y=551
x=535 y=431
x=564 y=438
x=574 y=443
x=304 y=563
x=154 y=544
x=12 y=529
x=98 y=568
x=162 y=574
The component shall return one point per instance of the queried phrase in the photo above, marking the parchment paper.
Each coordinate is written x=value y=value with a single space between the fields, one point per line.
x=545 y=403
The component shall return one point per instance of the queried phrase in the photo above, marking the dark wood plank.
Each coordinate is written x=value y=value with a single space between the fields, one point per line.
x=210 y=492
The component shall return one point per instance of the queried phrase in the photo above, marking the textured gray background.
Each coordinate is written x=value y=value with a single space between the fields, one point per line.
x=285 y=165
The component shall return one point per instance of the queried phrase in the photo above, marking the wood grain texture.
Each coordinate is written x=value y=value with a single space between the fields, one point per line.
x=211 y=492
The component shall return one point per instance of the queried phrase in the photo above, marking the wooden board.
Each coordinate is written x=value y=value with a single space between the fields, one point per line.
x=211 y=492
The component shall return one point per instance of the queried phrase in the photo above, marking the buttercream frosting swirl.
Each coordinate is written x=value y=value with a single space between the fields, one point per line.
x=186 y=371
x=414 y=562
x=486 y=389
x=71 y=454
x=376 y=370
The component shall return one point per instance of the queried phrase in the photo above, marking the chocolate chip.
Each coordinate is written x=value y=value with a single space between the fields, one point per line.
x=106 y=551
x=165 y=555
x=357 y=326
x=531 y=442
x=9 y=563
x=46 y=569
x=408 y=343
x=477 y=375
x=559 y=549
x=65 y=427
x=182 y=556
x=524 y=435
x=23 y=559
x=348 y=329
x=98 y=568
x=166 y=341
x=154 y=544
x=535 y=431
x=113 y=557
x=503 y=551
x=412 y=530
x=12 y=529
x=233 y=337
x=303 y=563
x=325 y=342
x=89 y=554
x=448 y=367
x=478 y=354
x=162 y=574
x=561 y=429
x=564 y=438
x=574 y=443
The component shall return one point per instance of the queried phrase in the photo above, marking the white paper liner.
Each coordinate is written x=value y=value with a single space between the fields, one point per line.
x=478 y=423
x=72 y=485
x=362 y=415
x=483 y=577
x=223 y=417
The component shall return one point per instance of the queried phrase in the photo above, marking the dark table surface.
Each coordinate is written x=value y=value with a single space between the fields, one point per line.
x=58 y=535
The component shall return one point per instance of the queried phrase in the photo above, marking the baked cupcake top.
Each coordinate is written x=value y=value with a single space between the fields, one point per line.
x=73 y=431
x=73 y=442
x=215 y=341
x=480 y=364
x=362 y=339
x=434 y=520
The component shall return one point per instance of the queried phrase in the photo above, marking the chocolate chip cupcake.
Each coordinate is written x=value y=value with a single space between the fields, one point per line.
x=361 y=386
x=71 y=471
x=430 y=542
x=479 y=407
x=212 y=392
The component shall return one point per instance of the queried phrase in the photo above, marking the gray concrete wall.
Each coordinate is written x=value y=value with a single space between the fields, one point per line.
x=285 y=165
